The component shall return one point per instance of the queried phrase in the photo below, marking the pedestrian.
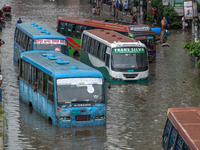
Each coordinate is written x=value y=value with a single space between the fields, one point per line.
x=155 y=14
x=1 y=78
x=120 y=6
x=117 y=4
x=1 y=43
x=183 y=22
x=98 y=11
x=19 y=21
x=163 y=23
x=126 y=7
x=94 y=10
x=167 y=23
x=133 y=18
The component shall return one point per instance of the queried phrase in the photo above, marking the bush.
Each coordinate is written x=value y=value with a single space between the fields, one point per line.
x=172 y=15
x=165 y=11
x=194 y=50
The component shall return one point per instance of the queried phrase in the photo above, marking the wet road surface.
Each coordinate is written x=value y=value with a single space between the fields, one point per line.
x=136 y=113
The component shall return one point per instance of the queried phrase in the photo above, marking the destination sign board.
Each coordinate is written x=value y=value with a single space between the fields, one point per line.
x=143 y=37
x=139 y=28
x=129 y=50
x=49 y=41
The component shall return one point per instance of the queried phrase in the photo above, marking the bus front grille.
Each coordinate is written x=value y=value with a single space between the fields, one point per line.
x=82 y=117
x=130 y=75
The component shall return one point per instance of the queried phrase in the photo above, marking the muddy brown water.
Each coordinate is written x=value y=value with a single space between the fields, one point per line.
x=136 y=113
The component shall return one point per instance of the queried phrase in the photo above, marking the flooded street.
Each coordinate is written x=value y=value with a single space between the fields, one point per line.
x=136 y=113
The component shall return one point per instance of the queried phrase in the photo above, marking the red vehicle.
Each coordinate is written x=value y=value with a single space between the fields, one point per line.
x=182 y=129
x=72 y=28
x=7 y=11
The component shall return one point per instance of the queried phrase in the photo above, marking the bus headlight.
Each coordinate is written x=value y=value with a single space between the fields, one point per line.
x=100 y=117
x=64 y=118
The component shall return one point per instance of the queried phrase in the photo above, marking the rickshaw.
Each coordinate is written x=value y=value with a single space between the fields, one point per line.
x=7 y=11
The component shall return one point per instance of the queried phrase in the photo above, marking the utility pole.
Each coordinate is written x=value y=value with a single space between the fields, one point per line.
x=195 y=20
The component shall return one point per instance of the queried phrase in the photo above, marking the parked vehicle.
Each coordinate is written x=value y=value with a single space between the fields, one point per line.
x=119 y=58
x=7 y=11
x=32 y=36
x=62 y=89
x=182 y=129
x=73 y=27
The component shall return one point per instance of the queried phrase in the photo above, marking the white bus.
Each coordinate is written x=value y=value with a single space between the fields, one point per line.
x=119 y=58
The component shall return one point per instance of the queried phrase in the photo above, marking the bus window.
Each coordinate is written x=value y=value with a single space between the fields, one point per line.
x=25 y=41
x=88 y=28
x=79 y=30
x=71 y=30
x=62 y=26
x=50 y=89
x=179 y=143
x=83 y=43
x=166 y=134
x=103 y=51
x=30 y=78
x=22 y=69
x=45 y=83
x=26 y=72
x=92 y=46
x=20 y=37
x=96 y=48
x=172 y=139
x=34 y=72
x=29 y=43
x=185 y=147
x=40 y=80
x=107 y=60
x=16 y=34
x=88 y=44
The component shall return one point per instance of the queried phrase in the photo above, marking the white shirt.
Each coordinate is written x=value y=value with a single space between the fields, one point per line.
x=1 y=78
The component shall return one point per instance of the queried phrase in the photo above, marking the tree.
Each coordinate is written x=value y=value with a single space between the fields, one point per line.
x=165 y=11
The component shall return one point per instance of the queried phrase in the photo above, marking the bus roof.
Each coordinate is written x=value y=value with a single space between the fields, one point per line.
x=111 y=25
x=58 y=65
x=89 y=22
x=111 y=36
x=187 y=123
x=35 y=32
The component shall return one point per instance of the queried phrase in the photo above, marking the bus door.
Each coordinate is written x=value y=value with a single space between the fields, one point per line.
x=107 y=57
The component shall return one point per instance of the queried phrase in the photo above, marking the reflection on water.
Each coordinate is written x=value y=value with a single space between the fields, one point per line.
x=37 y=133
x=132 y=108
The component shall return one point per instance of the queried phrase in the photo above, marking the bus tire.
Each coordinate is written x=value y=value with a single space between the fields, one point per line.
x=30 y=104
x=76 y=53
x=50 y=121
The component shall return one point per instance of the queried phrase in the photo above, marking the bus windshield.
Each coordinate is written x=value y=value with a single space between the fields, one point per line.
x=50 y=44
x=79 y=90
x=148 y=42
x=124 y=59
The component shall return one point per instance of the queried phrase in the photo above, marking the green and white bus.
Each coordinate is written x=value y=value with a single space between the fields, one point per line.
x=119 y=58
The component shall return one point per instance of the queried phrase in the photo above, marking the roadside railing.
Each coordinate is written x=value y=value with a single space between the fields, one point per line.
x=106 y=8
x=118 y=14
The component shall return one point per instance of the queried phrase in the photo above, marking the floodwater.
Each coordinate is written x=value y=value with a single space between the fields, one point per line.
x=136 y=113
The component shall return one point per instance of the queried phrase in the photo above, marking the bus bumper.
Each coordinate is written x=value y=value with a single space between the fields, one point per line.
x=97 y=122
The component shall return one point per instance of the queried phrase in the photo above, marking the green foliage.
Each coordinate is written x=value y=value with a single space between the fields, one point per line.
x=194 y=50
x=160 y=7
x=171 y=14
x=165 y=11
x=198 y=7
x=150 y=17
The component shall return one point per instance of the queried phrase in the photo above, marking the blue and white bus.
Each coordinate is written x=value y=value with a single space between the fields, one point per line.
x=62 y=89
x=119 y=58
x=32 y=36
